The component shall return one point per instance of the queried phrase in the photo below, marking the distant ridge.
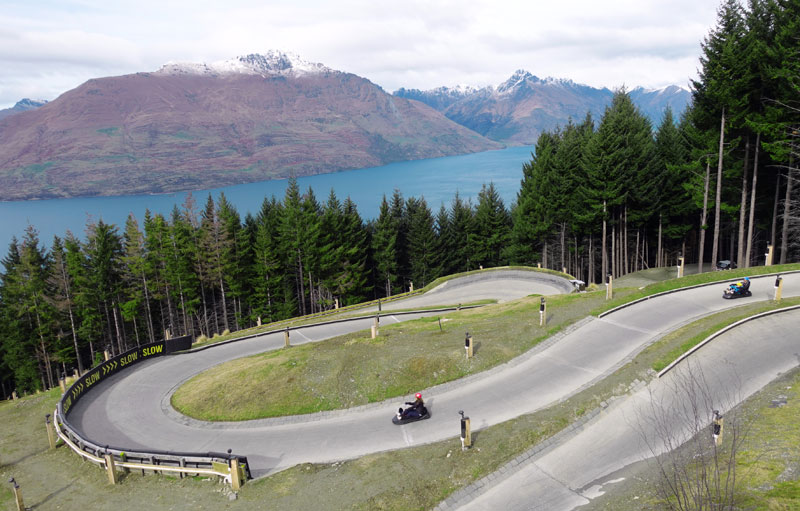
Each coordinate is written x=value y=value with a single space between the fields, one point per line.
x=22 y=105
x=520 y=108
x=193 y=126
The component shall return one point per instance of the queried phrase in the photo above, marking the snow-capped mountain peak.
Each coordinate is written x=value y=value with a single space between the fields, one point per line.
x=519 y=77
x=270 y=63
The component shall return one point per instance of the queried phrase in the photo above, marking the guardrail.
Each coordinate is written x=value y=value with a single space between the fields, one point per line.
x=231 y=467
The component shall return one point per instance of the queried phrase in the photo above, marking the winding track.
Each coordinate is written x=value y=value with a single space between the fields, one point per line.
x=131 y=409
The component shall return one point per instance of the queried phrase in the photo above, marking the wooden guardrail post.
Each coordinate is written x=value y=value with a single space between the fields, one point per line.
x=778 y=288
x=236 y=476
x=610 y=287
x=286 y=337
x=542 y=312
x=17 y=494
x=51 y=431
x=111 y=467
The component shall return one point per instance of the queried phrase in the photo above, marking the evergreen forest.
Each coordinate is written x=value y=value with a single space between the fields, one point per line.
x=599 y=197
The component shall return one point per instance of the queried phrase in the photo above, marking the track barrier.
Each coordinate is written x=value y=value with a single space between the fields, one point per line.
x=231 y=467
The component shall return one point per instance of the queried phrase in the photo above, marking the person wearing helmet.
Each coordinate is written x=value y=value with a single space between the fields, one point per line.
x=416 y=408
x=746 y=284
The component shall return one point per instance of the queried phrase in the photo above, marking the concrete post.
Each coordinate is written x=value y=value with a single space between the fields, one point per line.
x=110 y=468
x=466 y=433
x=375 y=324
x=680 y=266
x=411 y=285
x=258 y=322
x=14 y=395
x=543 y=312
x=17 y=495
x=106 y=355
x=51 y=431
x=468 y=345
x=286 y=337
x=609 y=287
x=778 y=288
x=769 y=255
x=336 y=303
x=62 y=382
x=539 y=265
x=76 y=374
x=167 y=334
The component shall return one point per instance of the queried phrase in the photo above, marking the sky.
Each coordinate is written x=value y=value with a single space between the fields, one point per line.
x=48 y=47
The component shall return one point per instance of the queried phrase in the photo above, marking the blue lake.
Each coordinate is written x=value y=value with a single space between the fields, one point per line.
x=436 y=179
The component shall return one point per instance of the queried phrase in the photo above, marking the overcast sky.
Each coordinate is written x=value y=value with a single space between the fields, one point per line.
x=50 y=46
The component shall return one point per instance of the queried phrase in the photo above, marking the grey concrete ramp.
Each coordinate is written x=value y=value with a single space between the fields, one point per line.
x=733 y=367
x=500 y=285
x=131 y=410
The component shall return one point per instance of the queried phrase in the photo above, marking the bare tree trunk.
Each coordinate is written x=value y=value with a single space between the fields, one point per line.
x=703 y=219
x=636 y=253
x=150 y=330
x=775 y=201
x=613 y=250
x=658 y=250
x=604 y=264
x=591 y=260
x=302 y=296
x=718 y=200
x=544 y=255
x=116 y=327
x=224 y=304
x=743 y=207
x=787 y=212
x=626 y=265
x=749 y=253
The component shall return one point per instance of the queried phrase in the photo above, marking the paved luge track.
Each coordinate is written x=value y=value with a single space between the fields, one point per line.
x=127 y=410
x=734 y=366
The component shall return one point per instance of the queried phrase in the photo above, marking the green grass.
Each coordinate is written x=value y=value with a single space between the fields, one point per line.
x=714 y=323
x=353 y=310
x=692 y=280
x=354 y=369
x=415 y=478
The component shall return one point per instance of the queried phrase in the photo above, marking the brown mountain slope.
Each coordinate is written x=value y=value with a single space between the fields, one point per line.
x=170 y=131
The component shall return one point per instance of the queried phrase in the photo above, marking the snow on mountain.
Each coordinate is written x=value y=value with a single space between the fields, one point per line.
x=271 y=63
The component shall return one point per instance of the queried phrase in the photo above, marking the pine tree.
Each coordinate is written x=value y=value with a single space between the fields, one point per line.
x=384 y=248
x=492 y=228
x=421 y=242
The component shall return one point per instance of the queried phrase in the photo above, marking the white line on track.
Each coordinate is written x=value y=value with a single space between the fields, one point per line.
x=407 y=436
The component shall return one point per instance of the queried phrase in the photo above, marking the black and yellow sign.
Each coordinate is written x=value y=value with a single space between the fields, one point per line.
x=111 y=366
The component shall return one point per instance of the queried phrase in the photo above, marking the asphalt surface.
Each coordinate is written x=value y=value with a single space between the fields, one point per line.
x=500 y=285
x=718 y=376
x=131 y=410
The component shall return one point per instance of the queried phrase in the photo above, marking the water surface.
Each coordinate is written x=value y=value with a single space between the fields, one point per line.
x=436 y=179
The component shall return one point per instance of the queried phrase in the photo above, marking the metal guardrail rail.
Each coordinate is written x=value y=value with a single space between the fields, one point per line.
x=225 y=465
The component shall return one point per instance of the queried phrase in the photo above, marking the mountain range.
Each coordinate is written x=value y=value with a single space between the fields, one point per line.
x=193 y=126
x=519 y=109
x=22 y=105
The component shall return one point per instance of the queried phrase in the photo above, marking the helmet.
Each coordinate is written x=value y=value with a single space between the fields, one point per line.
x=747 y=279
x=418 y=395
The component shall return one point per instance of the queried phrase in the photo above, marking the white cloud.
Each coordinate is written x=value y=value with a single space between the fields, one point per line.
x=48 y=47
